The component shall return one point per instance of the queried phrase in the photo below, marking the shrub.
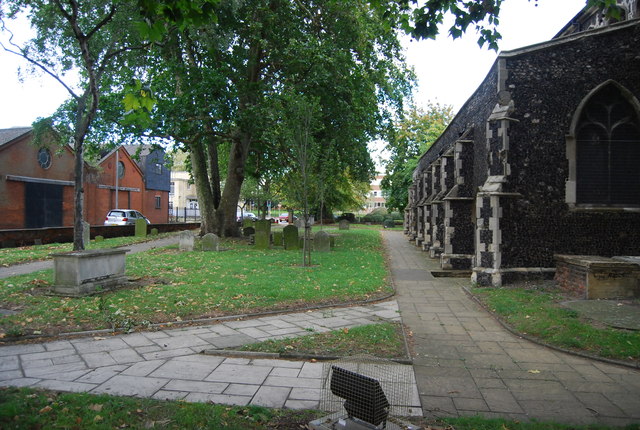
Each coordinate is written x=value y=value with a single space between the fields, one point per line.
x=348 y=216
x=373 y=218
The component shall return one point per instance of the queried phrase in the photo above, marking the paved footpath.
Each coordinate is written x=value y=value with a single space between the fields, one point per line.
x=465 y=363
x=168 y=364
x=468 y=364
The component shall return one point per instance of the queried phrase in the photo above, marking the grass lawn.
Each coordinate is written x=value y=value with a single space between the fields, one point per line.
x=41 y=409
x=24 y=408
x=537 y=312
x=383 y=340
x=173 y=286
x=26 y=254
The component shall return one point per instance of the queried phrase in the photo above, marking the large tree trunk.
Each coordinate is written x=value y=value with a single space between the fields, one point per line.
x=78 y=227
x=214 y=168
x=233 y=184
x=83 y=121
x=208 y=223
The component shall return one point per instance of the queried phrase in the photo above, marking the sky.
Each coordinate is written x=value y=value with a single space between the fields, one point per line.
x=448 y=71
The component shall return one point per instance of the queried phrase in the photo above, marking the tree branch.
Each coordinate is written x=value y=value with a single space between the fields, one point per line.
x=103 y=22
x=41 y=67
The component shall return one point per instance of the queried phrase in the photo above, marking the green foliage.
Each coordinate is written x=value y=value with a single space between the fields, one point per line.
x=384 y=340
x=26 y=254
x=538 y=313
x=480 y=423
x=413 y=135
x=24 y=408
x=173 y=285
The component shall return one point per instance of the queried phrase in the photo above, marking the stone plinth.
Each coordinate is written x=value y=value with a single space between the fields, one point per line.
x=81 y=273
x=594 y=277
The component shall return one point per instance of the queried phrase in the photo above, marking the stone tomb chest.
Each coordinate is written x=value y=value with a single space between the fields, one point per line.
x=81 y=273
x=594 y=277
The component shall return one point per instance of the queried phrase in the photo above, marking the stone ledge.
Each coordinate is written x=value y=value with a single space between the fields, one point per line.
x=597 y=277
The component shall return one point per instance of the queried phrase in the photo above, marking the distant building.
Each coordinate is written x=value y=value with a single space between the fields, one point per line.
x=183 y=191
x=37 y=184
x=375 y=199
x=157 y=180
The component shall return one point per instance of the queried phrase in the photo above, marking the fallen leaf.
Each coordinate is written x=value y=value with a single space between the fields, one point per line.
x=45 y=409
x=96 y=407
x=533 y=371
x=97 y=419
x=99 y=338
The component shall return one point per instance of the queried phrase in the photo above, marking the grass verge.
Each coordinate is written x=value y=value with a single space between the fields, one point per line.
x=384 y=340
x=479 y=423
x=23 y=408
x=174 y=286
x=26 y=254
x=538 y=313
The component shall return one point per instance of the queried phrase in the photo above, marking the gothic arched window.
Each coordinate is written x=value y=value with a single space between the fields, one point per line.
x=608 y=150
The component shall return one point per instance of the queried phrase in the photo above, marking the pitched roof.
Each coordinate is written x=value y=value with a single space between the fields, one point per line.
x=133 y=149
x=9 y=134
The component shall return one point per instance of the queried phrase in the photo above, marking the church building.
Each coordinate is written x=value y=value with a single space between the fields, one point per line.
x=543 y=159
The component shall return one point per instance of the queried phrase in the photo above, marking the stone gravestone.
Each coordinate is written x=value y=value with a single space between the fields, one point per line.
x=263 y=234
x=248 y=231
x=299 y=223
x=99 y=238
x=290 y=234
x=86 y=233
x=154 y=231
x=247 y=222
x=277 y=238
x=141 y=227
x=186 y=240
x=344 y=224
x=321 y=242
x=210 y=242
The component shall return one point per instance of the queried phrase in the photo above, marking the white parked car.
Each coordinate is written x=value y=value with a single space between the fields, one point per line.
x=242 y=215
x=124 y=217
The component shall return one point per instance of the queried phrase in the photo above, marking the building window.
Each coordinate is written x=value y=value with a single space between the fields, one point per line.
x=120 y=169
x=44 y=158
x=173 y=188
x=607 y=150
x=158 y=169
x=158 y=202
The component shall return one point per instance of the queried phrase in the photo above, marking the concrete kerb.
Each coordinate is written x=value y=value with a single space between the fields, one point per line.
x=537 y=341
x=287 y=356
x=201 y=321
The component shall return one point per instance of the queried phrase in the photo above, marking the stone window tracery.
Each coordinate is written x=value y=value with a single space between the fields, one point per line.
x=607 y=150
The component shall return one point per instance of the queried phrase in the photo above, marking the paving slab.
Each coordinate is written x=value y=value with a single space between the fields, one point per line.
x=514 y=378
x=465 y=363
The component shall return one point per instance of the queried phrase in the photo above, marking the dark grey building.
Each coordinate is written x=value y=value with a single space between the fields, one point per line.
x=543 y=159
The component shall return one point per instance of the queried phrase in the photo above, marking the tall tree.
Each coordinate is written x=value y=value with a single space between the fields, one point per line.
x=219 y=89
x=413 y=136
x=79 y=36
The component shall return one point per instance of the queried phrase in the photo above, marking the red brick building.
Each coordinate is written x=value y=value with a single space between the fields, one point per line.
x=36 y=185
